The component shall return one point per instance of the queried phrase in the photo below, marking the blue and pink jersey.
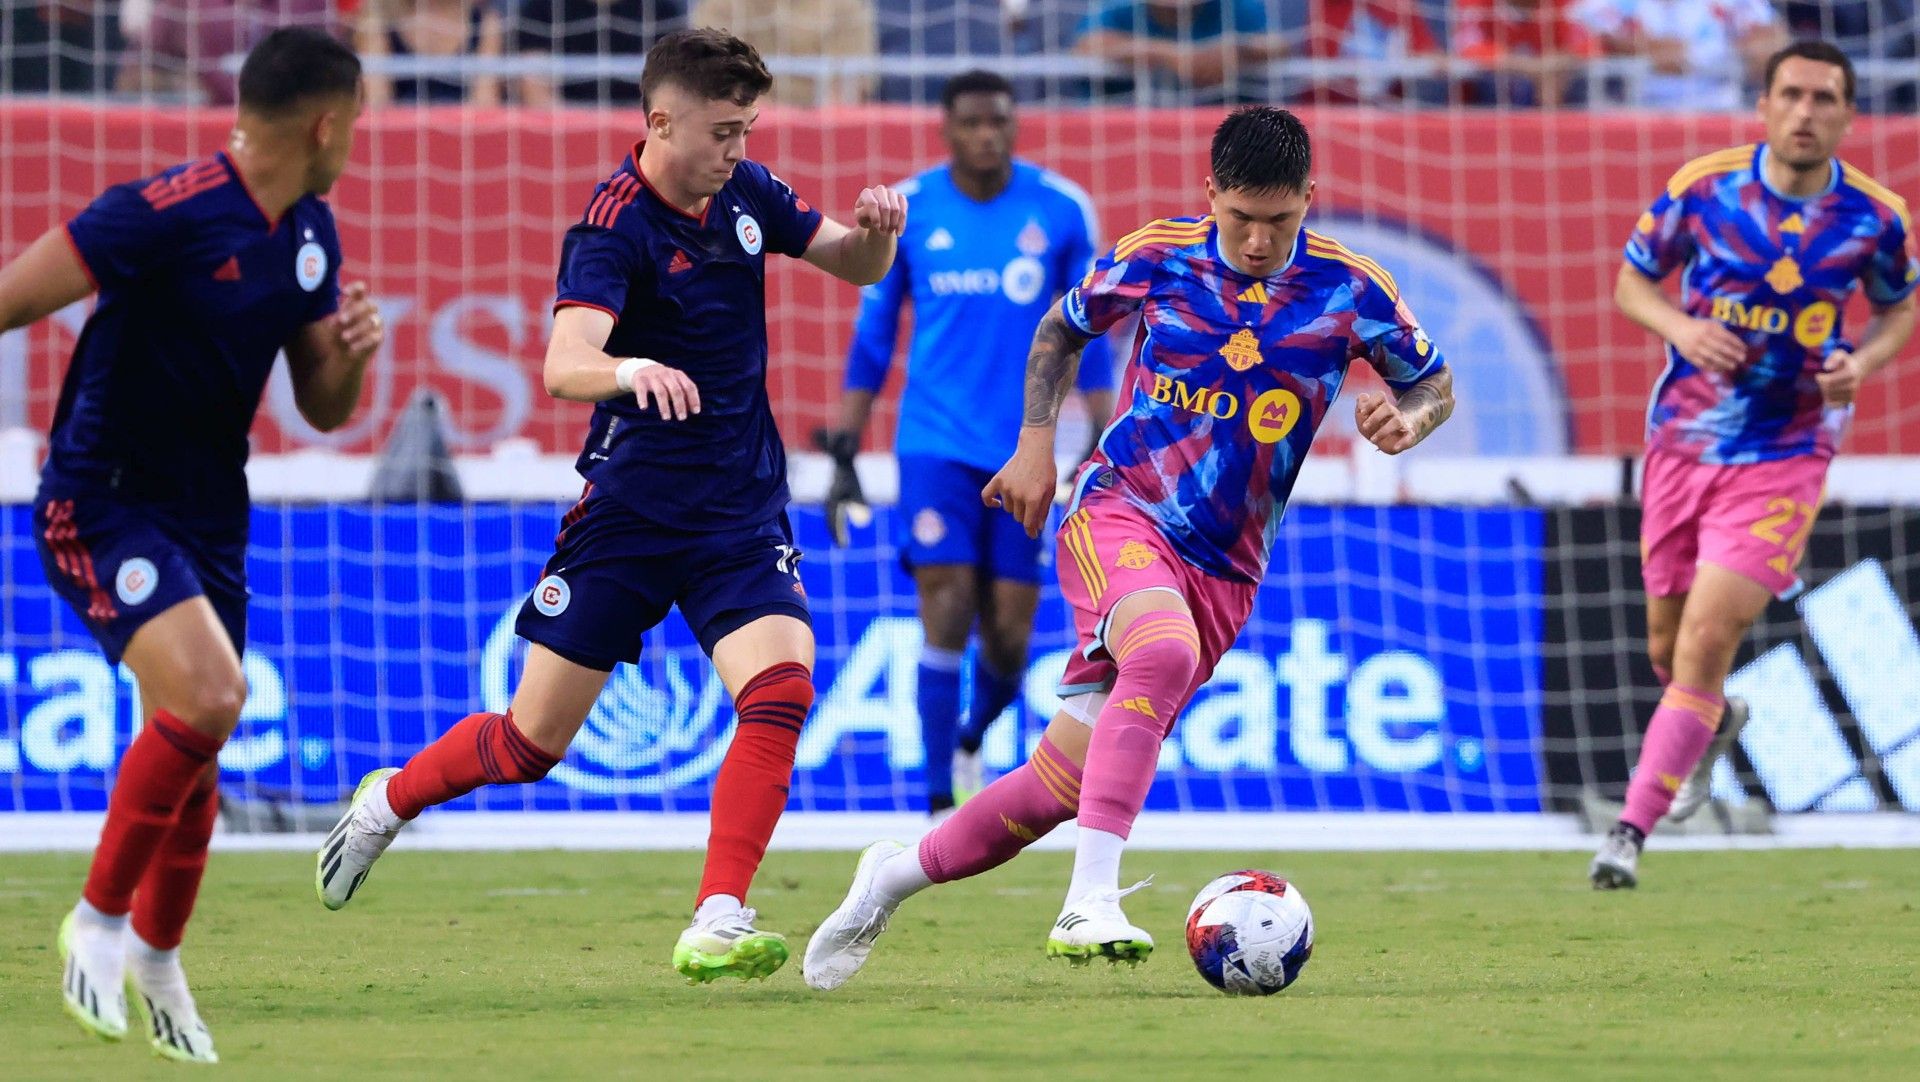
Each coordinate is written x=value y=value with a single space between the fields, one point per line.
x=1778 y=272
x=1229 y=376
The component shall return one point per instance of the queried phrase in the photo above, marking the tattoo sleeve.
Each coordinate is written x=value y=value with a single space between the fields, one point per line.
x=1428 y=403
x=1051 y=365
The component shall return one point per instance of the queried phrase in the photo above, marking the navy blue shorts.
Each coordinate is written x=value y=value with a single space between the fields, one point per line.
x=942 y=521
x=120 y=564
x=614 y=575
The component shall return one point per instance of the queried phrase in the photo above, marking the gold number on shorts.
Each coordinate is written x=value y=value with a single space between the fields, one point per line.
x=1781 y=511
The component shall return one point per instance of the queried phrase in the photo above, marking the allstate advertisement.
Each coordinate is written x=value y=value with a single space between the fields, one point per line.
x=1393 y=663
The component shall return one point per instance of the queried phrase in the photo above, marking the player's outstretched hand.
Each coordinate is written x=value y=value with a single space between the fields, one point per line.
x=672 y=391
x=1024 y=486
x=882 y=209
x=1379 y=419
x=358 y=322
x=1839 y=378
x=1707 y=344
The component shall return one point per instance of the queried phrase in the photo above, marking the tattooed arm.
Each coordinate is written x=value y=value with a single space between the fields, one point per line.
x=1396 y=424
x=1024 y=486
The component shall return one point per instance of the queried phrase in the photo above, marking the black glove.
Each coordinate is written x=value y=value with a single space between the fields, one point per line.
x=846 y=503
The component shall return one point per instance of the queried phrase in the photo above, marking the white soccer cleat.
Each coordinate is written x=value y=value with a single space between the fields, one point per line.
x=174 y=1028
x=1698 y=788
x=93 y=974
x=840 y=945
x=969 y=775
x=1617 y=865
x=354 y=843
x=1092 y=926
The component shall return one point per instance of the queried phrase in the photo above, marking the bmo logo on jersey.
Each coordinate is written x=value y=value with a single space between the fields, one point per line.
x=1020 y=281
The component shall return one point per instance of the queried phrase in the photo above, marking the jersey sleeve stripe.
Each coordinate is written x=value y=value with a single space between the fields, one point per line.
x=1720 y=161
x=1161 y=225
x=557 y=305
x=1372 y=271
x=1878 y=192
x=1185 y=234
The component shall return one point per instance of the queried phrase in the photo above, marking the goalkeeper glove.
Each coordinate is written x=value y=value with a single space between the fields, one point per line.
x=846 y=503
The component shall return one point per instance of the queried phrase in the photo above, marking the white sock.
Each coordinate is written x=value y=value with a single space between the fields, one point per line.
x=900 y=876
x=1096 y=863
x=153 y=965
x=716 y=905
x=91 y=920
x=380 y=810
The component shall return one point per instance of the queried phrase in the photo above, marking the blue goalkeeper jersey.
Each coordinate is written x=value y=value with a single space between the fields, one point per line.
x=980 y=276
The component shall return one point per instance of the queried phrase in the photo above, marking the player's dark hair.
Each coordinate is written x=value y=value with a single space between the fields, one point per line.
x=1823 y=52
x=295 y=64
x=711 y=63
x=1261 y=149
x=977 y=81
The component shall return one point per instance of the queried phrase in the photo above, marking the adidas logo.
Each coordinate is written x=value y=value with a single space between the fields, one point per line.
x=1069 y=921
x=1861 y=629
x=1019 y=831
x=940 y=241
x=1140 y=705
x=679 y=264
x=1254 y=294
x=229 y=271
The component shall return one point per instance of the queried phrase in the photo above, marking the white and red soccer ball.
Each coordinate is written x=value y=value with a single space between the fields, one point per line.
x=1250 y=933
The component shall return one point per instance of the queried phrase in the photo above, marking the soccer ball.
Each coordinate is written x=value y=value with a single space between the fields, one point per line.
x=1250 y=933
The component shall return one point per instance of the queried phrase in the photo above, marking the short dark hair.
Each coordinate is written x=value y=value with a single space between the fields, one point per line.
x=977 y=81
x=1824 y=52
x=1261 y=149
x=711 y=63
x=295 y=64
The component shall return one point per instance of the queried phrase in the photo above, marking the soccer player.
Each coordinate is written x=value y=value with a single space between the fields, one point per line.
x=1759 y=384
x=661 y=322
x=994 y=242
x=205 y=273
x=1247 y=323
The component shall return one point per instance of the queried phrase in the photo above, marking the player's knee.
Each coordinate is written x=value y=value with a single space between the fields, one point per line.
x=212 y=705
x=1003 y=649
x=946 y=613
x=1164 y=654
x=1660 y=652
x=1708 y=643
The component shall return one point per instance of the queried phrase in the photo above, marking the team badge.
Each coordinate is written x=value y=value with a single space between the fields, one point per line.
x=1032 y=240
x=1135 y=556
x=310 y=266
x=137 y=580
x=552 y=596
x=1022 y=279
x=748 y=231
x=929 y=528
x=1242 y=351
x=1814 y=325
x=1273 y=415
x=1785 y=276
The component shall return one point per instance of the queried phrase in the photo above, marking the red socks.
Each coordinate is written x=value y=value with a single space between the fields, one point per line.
x=751 y=790
x=483 y=749
x=167 y=892
x=159 y=771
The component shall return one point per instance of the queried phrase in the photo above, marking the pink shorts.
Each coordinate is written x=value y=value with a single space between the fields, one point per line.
x=1110 y=549
x=1752 y=520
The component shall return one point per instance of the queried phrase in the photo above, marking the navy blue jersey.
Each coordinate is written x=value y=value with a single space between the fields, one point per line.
x=688 y=291
x=198 y=292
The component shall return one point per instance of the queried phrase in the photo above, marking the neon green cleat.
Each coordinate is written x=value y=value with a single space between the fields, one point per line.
x=1094 y=927
x=93 y=980
x=728 y=946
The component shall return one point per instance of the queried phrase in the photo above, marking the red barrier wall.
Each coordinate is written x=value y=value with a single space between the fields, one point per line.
x=455 y=215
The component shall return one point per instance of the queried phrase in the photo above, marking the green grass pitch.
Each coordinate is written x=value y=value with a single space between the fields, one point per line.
x=1737 y=965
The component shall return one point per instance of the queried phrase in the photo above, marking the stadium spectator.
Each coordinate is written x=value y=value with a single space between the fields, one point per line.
x=1702 y=54
x=1374 y=30
x=429 y=28
x=1532 y=48
x=919 y=29
x=591 y=29
x=177 y=46
x=57 y=47
x=824 y=29
x=1193 y=50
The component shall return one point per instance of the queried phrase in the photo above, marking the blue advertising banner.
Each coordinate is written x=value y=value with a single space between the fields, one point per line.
x=1393 y=663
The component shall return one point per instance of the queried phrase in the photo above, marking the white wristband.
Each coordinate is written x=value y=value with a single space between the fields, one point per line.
x=623 y=374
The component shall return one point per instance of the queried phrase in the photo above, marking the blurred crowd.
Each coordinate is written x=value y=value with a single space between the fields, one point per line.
x=1693 y=54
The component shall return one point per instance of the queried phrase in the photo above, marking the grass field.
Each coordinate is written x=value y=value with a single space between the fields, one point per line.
x=1756 y=965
